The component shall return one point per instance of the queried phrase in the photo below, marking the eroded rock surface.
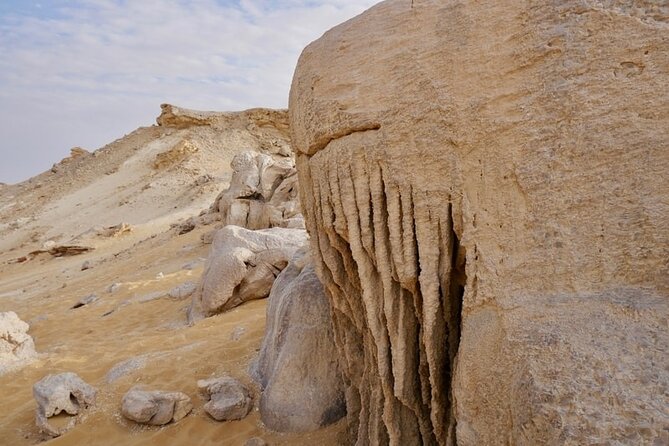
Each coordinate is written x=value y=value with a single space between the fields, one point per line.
x=485 y=188
x=242 y=266
x=262 y=193
x=155 y=407
x=302 y=387
x=64 y=392
x=16 y=345
x=227 y=398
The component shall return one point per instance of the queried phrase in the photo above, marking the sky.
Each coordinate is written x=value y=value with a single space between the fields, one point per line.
x=86 y=72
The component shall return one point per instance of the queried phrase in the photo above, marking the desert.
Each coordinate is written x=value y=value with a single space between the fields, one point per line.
x=457 y=233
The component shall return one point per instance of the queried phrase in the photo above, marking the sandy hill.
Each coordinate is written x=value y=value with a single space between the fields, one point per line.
x=151 y=179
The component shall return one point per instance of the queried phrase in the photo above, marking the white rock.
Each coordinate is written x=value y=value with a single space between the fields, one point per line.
x=65 y=392
x=16 y=345
x=155 y=407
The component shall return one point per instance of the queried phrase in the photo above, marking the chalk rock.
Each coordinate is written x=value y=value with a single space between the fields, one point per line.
x=182 y=291
x=485 y=185
x=64 y=392
x=155 y=407
x=262 y=192
x=242 y=266
x=227 y=399
x=16 y=345
x=302 y=387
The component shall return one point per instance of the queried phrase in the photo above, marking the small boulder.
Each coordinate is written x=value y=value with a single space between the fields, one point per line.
x=227 y=398
x=86 y=265
x=182 y=291
x=64 y=392
x=155 y=408
x=16 y=345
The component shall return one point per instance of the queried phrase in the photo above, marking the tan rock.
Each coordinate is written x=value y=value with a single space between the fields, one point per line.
x=485 y=185
x=176 y=155
x=116 y=230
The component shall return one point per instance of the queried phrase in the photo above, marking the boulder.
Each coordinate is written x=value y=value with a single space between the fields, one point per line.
x=242 y=266
x=227 y=399
x=183 y=291
x=297 y=368
x=485 y=187
x=155 y=407
x=16 y=345
x=262 y=192
x=64 y=392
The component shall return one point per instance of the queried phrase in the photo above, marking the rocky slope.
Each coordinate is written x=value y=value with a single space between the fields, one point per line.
x=485 y=185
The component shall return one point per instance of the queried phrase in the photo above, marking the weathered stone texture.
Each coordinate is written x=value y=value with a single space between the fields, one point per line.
x=242 y=266
x=297 y=368
x=485 y=187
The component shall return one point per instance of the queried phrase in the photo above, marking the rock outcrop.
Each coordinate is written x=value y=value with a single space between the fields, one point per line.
x=16 y=345
x=227 y=398
x=262 y=193
x=485 y=187
x=242 y=266
x=155 y=407
x=302 y=386
x=65 y=392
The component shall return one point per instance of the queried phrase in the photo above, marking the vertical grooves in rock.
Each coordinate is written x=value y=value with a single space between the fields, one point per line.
x=391 y=266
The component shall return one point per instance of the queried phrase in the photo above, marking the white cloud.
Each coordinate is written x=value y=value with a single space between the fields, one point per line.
x=87 y=71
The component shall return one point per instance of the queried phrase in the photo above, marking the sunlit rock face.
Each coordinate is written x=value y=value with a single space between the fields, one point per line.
x=485 y=187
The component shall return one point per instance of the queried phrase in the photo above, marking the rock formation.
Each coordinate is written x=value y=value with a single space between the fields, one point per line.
x=227 y=399
x=242 y=266
x=155 y=407
x=485 y=187
x=175 y=155
x=65 y=392
x=302 y=387
x=262 y=193
x=16 y=345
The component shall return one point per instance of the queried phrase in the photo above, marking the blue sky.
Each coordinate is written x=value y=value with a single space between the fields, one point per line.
x=85 y=72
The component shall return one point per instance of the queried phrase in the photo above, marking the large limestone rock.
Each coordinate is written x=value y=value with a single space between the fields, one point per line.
x=16 y=345
x=242 y=266
x=64 y=392
x=155 y=407
x=262 y=193
x=302 y=387
x=485 y=186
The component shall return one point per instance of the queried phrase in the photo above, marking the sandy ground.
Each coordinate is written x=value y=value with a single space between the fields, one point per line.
x=137 y=332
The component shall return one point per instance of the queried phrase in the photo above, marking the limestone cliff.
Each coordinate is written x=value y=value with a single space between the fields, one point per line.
x=485 y=186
